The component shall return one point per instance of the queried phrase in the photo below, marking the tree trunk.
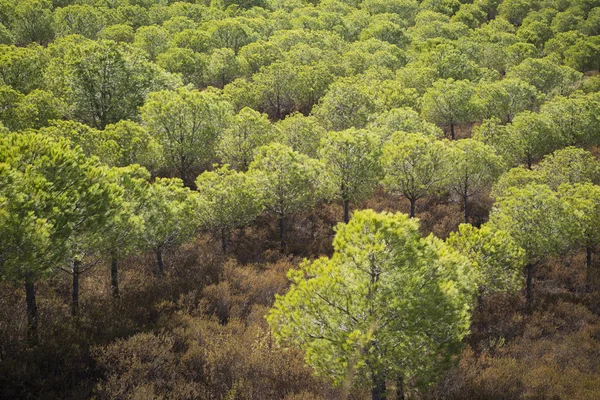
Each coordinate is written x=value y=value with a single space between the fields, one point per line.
x=282 y=233
x=346 y=211
x=400 y=388
x=466 y=208
x=75 y=269
x=378 y=388
x=528 y=287
x=114 y=276
x=32 y=314
x=224 y=240
x=452 y=130
x=588 y=257
x=412 y=208
x=159 y=261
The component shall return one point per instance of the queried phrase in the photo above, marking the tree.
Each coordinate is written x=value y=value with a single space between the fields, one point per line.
x=345 y=105
x=187 y=123
x=289 y=181
x=248 y=131
x=32 y=22
x=82 y=20
x=352 y=158
x=301 y=133
x=570 y=165
x=130 y=143
x=231 y=200
x=538 y=221
x=124 y=228
x=574 y=118
x=171 y=217
x=403 y=119
x=518 y=177
x=120 y=33
x=414 y=165
x=532 y=136
x=505 y=99
x=106 y=81
x=223 y=67
x=153 y=40
x=41 y=182
x=230 y=33
x=583 y=199
x=496 y=257
x=473 y=166
x=90 y=140
x=547 y=76
x=31 y=111
x=23 y=68
x=191 y=65
x=387 y=305
x=449 y=102
x=277 y=84
x=84 y=244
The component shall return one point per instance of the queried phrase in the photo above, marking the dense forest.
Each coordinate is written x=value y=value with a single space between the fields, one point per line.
x=300 y=199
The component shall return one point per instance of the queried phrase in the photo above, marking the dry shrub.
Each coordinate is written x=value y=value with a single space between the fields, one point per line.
x=202 y=358
x=242 y=287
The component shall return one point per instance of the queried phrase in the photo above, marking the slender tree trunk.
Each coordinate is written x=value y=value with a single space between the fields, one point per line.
x=466 y=208
x=346 y=211
x=588 y=257
x=75 y=270
x=400 y=388
x=452 y=130
x=412 y=208
x=224 y=240
x=32 y=314
x=528 y=287
x=282 y=233
x=378 y=388
x=159 y=261
x=114 y=276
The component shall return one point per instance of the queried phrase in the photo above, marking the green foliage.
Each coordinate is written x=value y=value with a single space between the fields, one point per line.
x=505 y=98
x=574 y=118
x=22 y=68
x=133 y=144
x=82 y=20
x=288 y=180
x=44 y=179
x=570 y=165
x=106 y=81
x=153 y=40
x=171 y=215
x=473 y=166
x=403 y=119
x=230 y=199
x=518 y=177
x=546 y=76
x=414 y=166
x=187 y=123
x=32 y=21
x=449 y=102
x=303 y=134
x=33 y=110
x=532 y=136
x=124 y=229
x=248 y=131
x=583 y=200
x=346 y=105
x=497 y=259
x=380 y=305
x=352 y=158
x=537 y=220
